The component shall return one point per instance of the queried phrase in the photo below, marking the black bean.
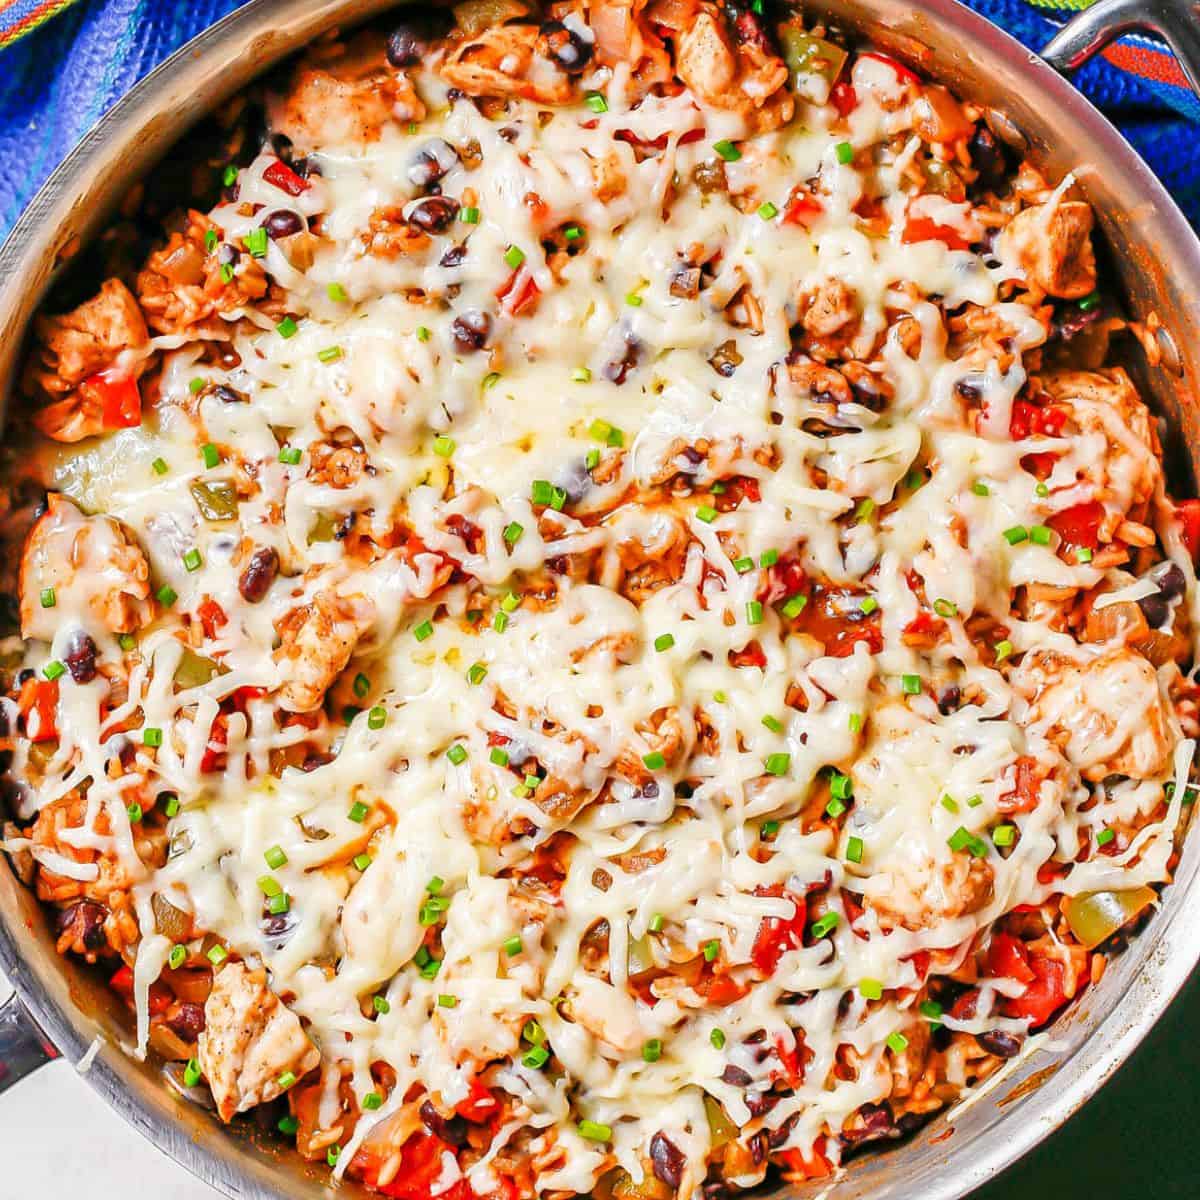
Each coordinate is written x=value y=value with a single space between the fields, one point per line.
x=81 y=657
x=736 y=1077
x=452 y=1130
x=949 y=698
x=427 y=167
x=227 y=255
x=667 y=1159
x=85 y=921
x=1155 y=609
x=453 y=257
x=228 y=395
x=1170 y=579
x=411 y=40
x=778 y=1137
x=571 y=52
x=987 y=157
x=1003 y=1045
x=617 y=371
x=471 y=331
x=259 y=574
x=188 y=1022
x=685 y=282
x=283 y=222
x=434 y=214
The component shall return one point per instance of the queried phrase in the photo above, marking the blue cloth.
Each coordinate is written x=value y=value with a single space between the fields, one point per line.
x=59 y=78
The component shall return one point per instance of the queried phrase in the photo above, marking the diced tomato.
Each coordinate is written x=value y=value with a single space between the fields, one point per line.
x=816 y=1166
x=782 y=581
x=1039 y=465
x=793 y=1058
x=518 y=293
x=843 y=97
x=721 y=990
x=902 y=72
x=1007 y=957
x=120 y=400
x=925 y=624
x=658 y=143
x=1188 y=512
x=212 y=616
x=285 y=179
x=420 y=1168
x=1044 y=994
x=1028 y=419
x=924 y=229
x=1023 y=796
x=38 y=704
x=803 y=210
x=121 y=982
x=479 y=1106
x=750 y=655
x=1079 y=525
x=921 y=962
x=777 y=935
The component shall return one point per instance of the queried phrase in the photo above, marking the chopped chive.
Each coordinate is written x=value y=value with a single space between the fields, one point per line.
x=423 y=631
x=1042 y=490
x=287 y=328
x=1089 y=302
x=844 y=152
x=477 y=673
x=932 y=1011
x=152 y=736
x=855 y=722
x=447 y=1001
x=717 y=1038
x=727 y=150
x=1004 y=835
x=332 y=1155
x=835 y=807
x=423 y=333
x=594 y=1131
x=160 y=466
x=867 y=605
x=210 y=454
x=191 y=1073
x=533 y=1032
x=227 y=272
x=949 y=803
x=1104 y=837
x=596 y=102
x=377 y=717
x=768 y=829
x=910 y=685
x=457 y=754
x=742 y=565
x=512 y=945
x=581 y=375
x=706 y=513
x=514 y=256
x=287 y=1125
x=278 y=905
x=289 y=455
x=633 y=300
x=269 y=885
x=48 y=598
x=652 y=1050
x=177 y=957
x=793 y=606
x=229 y=175
x=217 y=954
x=656 y=923
x=980 y=488
x=469 y=215
x=491 y=379
x=841 y=786
x=767 y=211
x=573 y=233
x=773 y=723
x=1083 y=555
x=196 y=385
x=654 y=761
x=897 y=1043
x=500 y=622
x=1040 y=535
x=854 y=849
x=330 y=354
x=358 y=812
x=192 y=560
x=1003 y=650
x=864 y=511
x=372 y=1101
x=945 y=608
x=210 y=240
x=381 y=1005
x=720 y=697
x=664 y=641
x=593 y=460
x=166 y=595
x=134 y=812
x=826 y=925
x=512 y=532
x=768 y=558
x=536 y=1058
x=778 y=764
x=336 y=293
x=499 y=756
x=1016 y=535
x=974 y=801
x=256 y=242
x=127 y=641
x=361 y=685
x=361 y=861
x=754 y=612
x=870 y=989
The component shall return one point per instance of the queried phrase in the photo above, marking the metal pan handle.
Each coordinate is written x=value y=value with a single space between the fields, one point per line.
x=1177 y=22
x=23 y=1046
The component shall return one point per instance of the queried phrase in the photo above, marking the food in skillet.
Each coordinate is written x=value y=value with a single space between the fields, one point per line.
x=605 y=621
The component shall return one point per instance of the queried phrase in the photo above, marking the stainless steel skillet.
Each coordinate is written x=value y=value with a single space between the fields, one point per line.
x=1157 y=259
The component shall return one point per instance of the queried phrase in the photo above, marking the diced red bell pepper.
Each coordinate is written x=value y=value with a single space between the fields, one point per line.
x=280 y=175
x=750 y=655
x=843 y=97
x=1079 y=525
x=420 y=1168
x=1028 y=419
x=1044 y=995
x=1026 y=788
x=803 y=210
x=783 y=580
x=121 y=982
x=1007 y=957
x=120 y=400
x=212 y=616
x=902 y=72
x=792 y=1058
x=518 y=293
x=777 y=935
x=1188 y=512
x=721 y=990
x=924 y=229
x=480 y=1105
x=816 y=1166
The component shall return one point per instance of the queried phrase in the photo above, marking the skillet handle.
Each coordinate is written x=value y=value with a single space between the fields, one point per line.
x=23 y=1046
x=1175 y=21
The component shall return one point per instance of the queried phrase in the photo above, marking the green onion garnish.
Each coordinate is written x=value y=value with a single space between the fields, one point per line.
x=469 y=216
x=652 y=1050
x=48 y=598
x=826 y=925
x=596 y=102
x=477 y=673
x=980 y=488
x=854 y=849
x=1004 y=835
x=177 y=957
x=256 y=242
x=152 y=736
x=767 y=211
x=867 y=605
x=717 y=1037
x=793 y=606
x=910 y=685
x=870 y=989
x=514 y=256
x=1104 y=837
x=512 y=532
x=358 y=812
x=706 y=513
x=217 y=954
x=664 y=641
x=1016 y=535
x=945 y=608
x=777 y=764
x=754 y=612
x=654 y=761
x=727 y=150
x=844 y=152
x=361 y=861
x=191 y=1073
x=593 y=1131
x=210 y=454
x=377 y=717
x=134 y=812
x=897 y=1043
x=372 y=1100
x=457 y=754
x=423 y=631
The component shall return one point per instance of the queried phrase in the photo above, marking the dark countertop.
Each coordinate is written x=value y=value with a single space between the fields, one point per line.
x=1133 y=1140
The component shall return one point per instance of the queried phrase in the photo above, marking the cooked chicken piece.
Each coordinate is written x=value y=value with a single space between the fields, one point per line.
x=624 y=35
x=344 y=93
x=607 y=1013
x=503 y=60
x=1106 y=403
x=250 y=1040
x=88 y=338
x=317 y=640
x=1108 y=714
x=828 y=308
x=97 y=571
x=919 y=896
x=1052 y=243
x=820 y=383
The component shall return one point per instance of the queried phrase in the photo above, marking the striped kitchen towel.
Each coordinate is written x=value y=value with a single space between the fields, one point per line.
x=58 y=76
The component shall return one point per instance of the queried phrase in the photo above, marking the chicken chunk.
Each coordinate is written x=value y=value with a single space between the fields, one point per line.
x=95 y=568
x=828 y=308
x=1052 y=243
x=88 y=339
x=344 y=93
x=503 y=60
x=250 y=1039
x=918 y=896
x=317 y=641
x=1107 y=714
